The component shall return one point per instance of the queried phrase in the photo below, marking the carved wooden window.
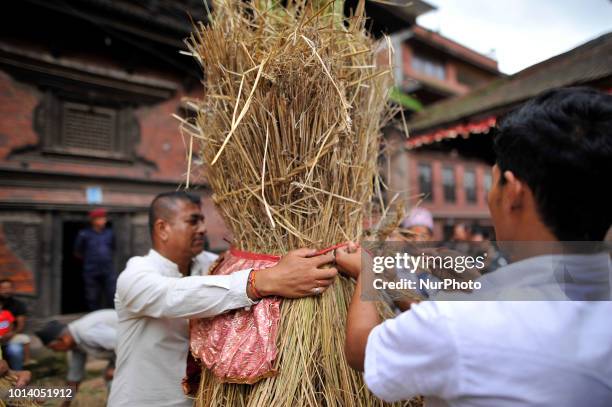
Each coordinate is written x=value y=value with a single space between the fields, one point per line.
x=87 y=129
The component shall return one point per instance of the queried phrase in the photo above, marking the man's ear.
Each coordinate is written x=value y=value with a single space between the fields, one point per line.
x=68 y=341
x=161 y=229
x=513 y=192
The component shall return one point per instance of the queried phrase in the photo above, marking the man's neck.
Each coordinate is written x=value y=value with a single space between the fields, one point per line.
x=183 y=264
x=184 y=267
x=525 y=244
x=536 y=235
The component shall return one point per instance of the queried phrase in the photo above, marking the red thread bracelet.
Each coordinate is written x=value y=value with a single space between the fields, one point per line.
x=251 y=282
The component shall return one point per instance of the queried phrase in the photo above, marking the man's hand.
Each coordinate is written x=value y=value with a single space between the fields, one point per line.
x=348 y=259
x=109 y=372
x=296 y=275
x=22 y=377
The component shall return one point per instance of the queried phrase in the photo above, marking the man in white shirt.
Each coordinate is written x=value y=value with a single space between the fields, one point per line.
x=94 y=335
x=551 y=156
x=155 y=297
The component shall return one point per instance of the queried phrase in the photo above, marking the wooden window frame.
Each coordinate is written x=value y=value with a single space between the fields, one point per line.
x=427 y=197
x=454 y=184
x=469 y=201
x=53 y=137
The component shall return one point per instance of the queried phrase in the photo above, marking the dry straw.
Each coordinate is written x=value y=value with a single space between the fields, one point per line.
x=289 y=133
x=7 y=382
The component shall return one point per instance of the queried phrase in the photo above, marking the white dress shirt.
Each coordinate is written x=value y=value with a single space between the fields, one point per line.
x=153 y=302
x=500 y=353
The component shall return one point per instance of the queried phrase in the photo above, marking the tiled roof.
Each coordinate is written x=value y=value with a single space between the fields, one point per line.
x=587 y=63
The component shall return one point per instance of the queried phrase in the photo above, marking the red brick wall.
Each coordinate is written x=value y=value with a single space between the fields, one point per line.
x=17 y=103
x=12 y=267
x=450 y=82
x=460 y=210
x=160 y=138
x=160 y=142
x=437 y=161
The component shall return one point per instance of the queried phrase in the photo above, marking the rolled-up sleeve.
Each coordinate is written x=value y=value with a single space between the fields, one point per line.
x=412 y=354
x=144 y=293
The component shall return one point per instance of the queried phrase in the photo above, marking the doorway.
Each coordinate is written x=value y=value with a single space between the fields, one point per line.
x=73 y=292
x=72 y=296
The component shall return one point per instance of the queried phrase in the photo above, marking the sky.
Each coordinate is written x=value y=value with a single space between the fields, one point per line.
x=519 y=33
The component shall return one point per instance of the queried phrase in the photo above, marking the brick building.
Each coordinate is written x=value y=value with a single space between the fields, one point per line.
x=430 y=68
x=87 y=90
x=460 y=127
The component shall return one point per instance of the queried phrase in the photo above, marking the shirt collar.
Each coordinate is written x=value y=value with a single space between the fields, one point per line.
x=536 y=269
x=168 y=267
x=199 y=265
x=578 y=270
x=545 y=278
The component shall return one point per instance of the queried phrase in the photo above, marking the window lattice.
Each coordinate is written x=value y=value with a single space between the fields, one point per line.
x=88 y=128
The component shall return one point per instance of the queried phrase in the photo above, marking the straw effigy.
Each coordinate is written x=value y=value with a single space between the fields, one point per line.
x=289 y=133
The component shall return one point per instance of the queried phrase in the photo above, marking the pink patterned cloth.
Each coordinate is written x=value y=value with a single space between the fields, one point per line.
x=239 y=346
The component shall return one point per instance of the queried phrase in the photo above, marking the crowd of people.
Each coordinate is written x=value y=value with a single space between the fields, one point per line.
x=551 y=155
x=467 y=239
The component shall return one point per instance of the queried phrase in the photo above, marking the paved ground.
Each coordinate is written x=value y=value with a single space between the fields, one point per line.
x=50 y=371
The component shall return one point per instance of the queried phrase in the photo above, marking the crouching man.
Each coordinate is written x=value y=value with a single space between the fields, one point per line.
x=94 y=335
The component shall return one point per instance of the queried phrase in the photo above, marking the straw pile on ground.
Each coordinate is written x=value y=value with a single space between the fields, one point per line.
x=289 y=132
x=6 y=383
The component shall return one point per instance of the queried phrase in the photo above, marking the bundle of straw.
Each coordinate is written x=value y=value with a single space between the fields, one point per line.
x=8 y=382
x=289 y=132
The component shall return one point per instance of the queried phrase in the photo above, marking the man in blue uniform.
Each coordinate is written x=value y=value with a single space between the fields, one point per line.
x=95 y=246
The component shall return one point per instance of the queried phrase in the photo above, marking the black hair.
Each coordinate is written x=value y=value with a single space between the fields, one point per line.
x=165 y=203
x=6 y=280
x=560 y=145
x=51 y=331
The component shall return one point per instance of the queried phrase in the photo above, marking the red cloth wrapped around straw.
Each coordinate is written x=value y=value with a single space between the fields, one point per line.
x=239 y=346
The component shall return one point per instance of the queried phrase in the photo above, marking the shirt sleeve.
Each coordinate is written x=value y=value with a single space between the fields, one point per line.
x=100 y=336
x=412 y=354
x=76 y=366
x=144 y=293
